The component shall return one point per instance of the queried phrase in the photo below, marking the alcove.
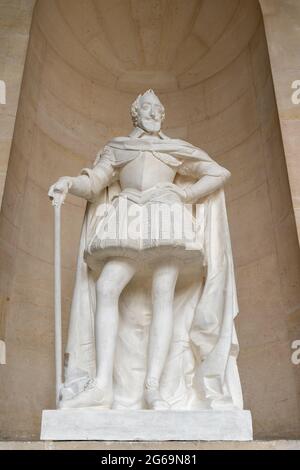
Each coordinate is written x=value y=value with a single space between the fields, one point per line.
x=208 y=61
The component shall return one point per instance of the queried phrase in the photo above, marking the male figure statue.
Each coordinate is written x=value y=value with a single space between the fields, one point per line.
x=147 y=169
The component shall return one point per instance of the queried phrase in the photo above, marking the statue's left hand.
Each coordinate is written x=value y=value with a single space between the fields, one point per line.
x=175 y=188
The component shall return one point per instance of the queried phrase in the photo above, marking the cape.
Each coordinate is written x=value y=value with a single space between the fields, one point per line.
x=201 y=370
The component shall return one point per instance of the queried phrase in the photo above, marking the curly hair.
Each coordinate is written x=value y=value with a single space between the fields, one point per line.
x=136 y=104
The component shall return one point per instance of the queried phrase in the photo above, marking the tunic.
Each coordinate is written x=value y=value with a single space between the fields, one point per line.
x=150 y=217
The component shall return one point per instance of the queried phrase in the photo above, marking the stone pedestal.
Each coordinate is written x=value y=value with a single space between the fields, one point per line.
x=146 y=425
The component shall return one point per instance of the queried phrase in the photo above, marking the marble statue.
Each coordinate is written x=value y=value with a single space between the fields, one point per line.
x=152 y=316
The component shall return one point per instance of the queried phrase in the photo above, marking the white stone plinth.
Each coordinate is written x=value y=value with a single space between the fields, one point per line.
x=146 y=425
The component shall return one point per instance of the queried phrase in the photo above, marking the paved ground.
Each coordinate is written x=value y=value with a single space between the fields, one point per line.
x=174 y=445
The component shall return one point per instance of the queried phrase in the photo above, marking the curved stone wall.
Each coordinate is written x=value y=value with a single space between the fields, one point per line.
x=209 y=62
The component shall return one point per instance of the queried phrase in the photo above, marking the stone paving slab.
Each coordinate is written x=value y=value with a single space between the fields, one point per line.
x=174 y=445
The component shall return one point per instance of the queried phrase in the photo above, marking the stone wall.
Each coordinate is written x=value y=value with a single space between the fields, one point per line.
x=15 y=20
x=282 y=28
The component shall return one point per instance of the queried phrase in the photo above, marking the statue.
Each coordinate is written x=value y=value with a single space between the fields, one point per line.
x=152 y=316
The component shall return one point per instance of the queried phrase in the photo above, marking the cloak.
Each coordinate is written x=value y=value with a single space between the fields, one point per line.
x=201 y=370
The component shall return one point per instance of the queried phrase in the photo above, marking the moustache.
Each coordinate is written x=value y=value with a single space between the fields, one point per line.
x=156 y=119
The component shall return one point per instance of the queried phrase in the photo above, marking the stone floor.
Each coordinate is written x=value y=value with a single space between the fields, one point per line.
x=171 y=445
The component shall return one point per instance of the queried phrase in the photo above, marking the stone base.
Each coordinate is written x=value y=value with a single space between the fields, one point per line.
x=146 y=425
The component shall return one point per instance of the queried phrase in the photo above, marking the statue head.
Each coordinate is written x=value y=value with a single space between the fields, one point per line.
x=147 y=112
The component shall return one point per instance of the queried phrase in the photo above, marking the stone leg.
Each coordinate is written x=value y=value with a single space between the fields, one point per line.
x=161 y=330
x=114 y=277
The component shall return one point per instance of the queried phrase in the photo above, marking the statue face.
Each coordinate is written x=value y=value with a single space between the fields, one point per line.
x=149 y=113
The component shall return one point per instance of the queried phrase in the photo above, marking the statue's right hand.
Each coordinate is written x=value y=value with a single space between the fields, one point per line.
x=58 y=191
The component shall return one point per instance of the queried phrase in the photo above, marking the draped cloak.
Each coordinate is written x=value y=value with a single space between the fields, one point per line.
x=201 y=370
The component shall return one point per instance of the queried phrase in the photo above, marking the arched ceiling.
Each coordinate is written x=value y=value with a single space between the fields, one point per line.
x=169 y=44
